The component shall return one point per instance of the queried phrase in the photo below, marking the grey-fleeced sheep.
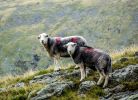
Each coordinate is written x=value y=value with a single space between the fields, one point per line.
x=93 y=58
x=54 y=46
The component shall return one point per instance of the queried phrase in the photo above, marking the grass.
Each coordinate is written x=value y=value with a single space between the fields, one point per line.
x=99 y=25
x=130 y=61
x=26 y=77
x=97 y=21
x=10 y=79
x=125 y=52
x=19 y=93
x=92 y=94
x=128 y=53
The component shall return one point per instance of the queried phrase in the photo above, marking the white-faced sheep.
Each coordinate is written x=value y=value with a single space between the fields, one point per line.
x=93 y=58
x=54 y=46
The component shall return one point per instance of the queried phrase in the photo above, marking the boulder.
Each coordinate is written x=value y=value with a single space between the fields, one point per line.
x=127 y=95
x=53 y=89
x=85 y=86
x=115 y=89
x=128 y=73
x=133 y=97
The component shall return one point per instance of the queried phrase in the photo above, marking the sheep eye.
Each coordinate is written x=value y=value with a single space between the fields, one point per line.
x=46 y=36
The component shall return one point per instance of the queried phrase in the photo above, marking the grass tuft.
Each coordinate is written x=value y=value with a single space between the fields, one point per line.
x=19 y=93
x=126 y=52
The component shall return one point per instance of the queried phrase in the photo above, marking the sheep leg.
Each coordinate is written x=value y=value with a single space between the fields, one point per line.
x=106 y=81
x=101 y=79
x=82 y=70
x=85 y=71
x=56 y=63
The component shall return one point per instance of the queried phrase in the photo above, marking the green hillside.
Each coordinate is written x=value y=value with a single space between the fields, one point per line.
x=106 y=24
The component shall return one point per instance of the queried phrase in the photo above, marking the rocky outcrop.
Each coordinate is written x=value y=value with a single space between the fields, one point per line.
x=128 y=95
x=57 y=83
x=129 y=73
x=50 y=90
x=85 y=86
x=55 y=87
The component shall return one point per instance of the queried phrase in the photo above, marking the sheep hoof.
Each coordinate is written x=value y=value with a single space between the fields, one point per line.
x=104 y=86
x=57 y=70
x=76 y=67
x=81 y=80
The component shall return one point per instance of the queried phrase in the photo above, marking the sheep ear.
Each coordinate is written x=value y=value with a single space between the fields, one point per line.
x=38 y=37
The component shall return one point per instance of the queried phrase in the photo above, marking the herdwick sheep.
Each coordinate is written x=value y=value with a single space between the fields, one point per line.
x=54 y=46
x=93 y=58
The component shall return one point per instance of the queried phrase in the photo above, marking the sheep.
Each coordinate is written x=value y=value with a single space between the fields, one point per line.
x=54 y=46
x=93 y=58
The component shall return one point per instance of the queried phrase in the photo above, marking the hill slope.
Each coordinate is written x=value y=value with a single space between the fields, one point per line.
x=106 y=24
x=65 y=84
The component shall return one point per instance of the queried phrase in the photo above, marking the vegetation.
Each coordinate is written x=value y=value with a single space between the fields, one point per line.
x=105 y=24
x=72 y=94
x=22 y=93
x=127 y=53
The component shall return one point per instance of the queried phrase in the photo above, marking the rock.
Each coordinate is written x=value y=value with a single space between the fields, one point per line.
x=2 y=89
x=74 y=74
x=124 y=59
x=20 y=84
x=56 y=88
x=128 y=95
x=116 y=89
x=136 y=54
x=128 y=73
x=85 y=86
x=133 y=97
x=47 y=78
x=110 y=91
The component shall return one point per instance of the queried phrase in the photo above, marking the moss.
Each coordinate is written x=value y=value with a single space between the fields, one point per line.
x=95 y=92
x=92 y=94
x=41 y=72
x=131 y=86
x=20 y=97
x=71 y=69
x=131 y=61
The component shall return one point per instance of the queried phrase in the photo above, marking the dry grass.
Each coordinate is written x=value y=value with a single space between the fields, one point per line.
x=126 y=52
x=10 y=79
x=20 y=93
